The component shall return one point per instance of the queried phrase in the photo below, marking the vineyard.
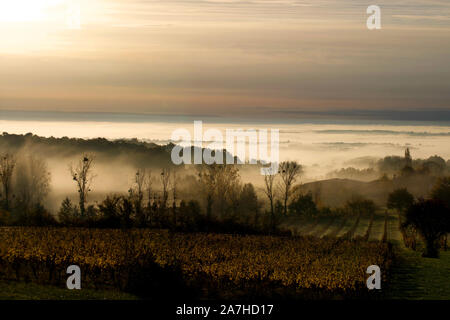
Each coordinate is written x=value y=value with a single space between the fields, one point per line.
x=377 y=227
x=143 y=260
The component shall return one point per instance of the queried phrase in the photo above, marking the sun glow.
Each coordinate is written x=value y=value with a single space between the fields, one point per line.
x=27 y=10
x=45 y=26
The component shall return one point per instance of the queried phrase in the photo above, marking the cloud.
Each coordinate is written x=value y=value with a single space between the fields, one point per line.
x=386 y=132
x=230 y=56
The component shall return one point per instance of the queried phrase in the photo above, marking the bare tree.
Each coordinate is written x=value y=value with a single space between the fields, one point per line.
x=82 y=175
x=148 y=187
x=140 y=180
x=288 y=170
x=7 y=164
x=137 y=193
x=227 y=177
x=236 y=203
x=33 y=183
x=165 y=179
x=269 y=190
x=207 y=185
x=217 y=181
x=174 y=183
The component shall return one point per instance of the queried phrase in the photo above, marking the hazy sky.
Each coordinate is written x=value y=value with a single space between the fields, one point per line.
x=224 y=57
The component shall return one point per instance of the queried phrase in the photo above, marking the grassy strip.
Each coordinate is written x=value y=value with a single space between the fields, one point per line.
x=334 y=228
x=310 y=227
x=349 y=223
x=298 y=226
x=351 y=232
x=377 y=230
x=394 y=233
x=18 y=290
x=321 y=227
x=369 y=229
x=418 y=278
x=363 y=226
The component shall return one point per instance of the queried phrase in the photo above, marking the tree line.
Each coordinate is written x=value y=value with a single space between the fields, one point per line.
x=223 y=201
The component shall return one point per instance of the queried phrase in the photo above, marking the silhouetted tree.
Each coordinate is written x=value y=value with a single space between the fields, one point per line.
x=206 y=178
x=441 y=191
x=217 y=182
x=39 y=216
x=137 y=195
x=360 y=206
x=82 y=175
x=148 y=187
x=391 y=164
x=126 y=211
x=32 y=183
x=174 y=184
x=165 y=179
x=303 y=205
x=278 y=213
x=192 y=216
x=269 y=190
x=289 y=171
x=432 y=219
x=7 y=165
x=68 y=214
x=234 y=207
x=249 y=205
x=110 y=211
x=400 y=199
x=407 y=171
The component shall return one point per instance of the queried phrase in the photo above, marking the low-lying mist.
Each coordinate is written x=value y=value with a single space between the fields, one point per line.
x=116 y=162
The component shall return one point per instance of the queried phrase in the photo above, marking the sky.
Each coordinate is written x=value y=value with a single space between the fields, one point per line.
x=270 y=58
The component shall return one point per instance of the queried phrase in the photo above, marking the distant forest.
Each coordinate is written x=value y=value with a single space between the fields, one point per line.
x=138 y=153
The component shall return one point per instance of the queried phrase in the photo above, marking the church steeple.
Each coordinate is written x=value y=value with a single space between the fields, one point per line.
x=408 y=159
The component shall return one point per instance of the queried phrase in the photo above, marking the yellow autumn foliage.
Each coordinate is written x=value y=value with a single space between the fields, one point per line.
x=290 y=261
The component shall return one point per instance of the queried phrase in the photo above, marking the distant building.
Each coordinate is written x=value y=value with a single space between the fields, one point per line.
x=408 y=159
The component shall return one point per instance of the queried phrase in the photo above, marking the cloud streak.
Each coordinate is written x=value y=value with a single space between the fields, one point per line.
x=222 y=57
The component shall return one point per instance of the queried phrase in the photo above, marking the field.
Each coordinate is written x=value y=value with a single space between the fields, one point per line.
x=411 y=275
x=326 y=258
x=155 y=263
x=379 y=227
x=415 y=277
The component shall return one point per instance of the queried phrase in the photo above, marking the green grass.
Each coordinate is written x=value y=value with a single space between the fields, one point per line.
x=418 y=278
x=349 y=224
x=394 y=233
x=13 y=290
x=412 y=276
x=306 y=227
x=334 y=228
x=298 y=226
x=322 y=225
x=362 y=227
x=377 y=231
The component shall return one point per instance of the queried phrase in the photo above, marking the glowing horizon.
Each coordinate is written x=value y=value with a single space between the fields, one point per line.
x=225 y=57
